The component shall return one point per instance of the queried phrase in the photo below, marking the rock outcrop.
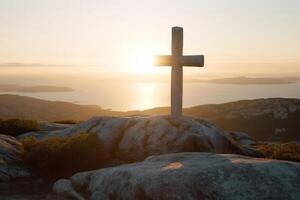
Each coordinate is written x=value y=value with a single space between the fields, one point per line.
x=191 y=175
x=135 y=138
x=10 y=159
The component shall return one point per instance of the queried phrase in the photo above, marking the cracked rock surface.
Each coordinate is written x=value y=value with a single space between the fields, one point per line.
x=192 y=175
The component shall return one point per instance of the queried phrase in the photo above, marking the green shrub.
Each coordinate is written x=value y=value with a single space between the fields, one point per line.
x=15 y=127
x=280 y=151
x=60 y=157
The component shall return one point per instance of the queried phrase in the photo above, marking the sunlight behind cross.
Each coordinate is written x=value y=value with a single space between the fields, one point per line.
x=141 y=62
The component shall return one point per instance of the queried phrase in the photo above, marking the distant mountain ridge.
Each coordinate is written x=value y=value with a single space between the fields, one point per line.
x=242 y=80
x=17 y=64
x=273 y=119
x=20 y=64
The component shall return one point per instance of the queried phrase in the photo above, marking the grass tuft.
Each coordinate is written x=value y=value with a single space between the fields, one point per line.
x=280 y=151
x=15 y=127
x=67 y=122
x=61 y=157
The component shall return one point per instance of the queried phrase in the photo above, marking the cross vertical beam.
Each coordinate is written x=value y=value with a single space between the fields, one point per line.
x=177 y=61
x=177 y=73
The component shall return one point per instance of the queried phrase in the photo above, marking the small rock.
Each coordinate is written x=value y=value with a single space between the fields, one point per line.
x=280 y=113
x=64 y=188
x=279 y=131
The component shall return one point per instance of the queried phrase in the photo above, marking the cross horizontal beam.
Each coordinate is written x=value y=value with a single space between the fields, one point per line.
x=192 y=61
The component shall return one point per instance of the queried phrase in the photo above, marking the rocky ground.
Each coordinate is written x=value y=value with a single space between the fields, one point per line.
x=16 y=181
x=170 y=163
x=135 y=138
x=10 y=159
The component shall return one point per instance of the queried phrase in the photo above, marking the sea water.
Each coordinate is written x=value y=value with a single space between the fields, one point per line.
x=138 y=96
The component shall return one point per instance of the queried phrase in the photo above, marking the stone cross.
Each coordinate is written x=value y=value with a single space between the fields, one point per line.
x=177 y=61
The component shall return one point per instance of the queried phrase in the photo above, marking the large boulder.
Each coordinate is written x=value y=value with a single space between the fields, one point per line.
x=10 y=159
x=190 y=175
x=135 y=138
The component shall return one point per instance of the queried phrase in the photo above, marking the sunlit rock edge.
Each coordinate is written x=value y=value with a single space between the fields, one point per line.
x=189 y=175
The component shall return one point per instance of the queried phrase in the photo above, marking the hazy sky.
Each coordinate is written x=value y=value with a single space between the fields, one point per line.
x=234 y=35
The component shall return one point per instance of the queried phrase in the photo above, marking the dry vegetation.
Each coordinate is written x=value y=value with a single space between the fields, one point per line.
x=67 y=122
x=280 y=151
x=60 y=157
x=15 y=127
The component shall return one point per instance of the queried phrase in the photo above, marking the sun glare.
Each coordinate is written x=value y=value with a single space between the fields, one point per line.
x=145 y=95
x=141 y=62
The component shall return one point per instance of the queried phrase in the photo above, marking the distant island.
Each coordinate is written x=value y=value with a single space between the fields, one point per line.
x=249 y=81
x=35 y=89
x=15 y=64
x=18 y=64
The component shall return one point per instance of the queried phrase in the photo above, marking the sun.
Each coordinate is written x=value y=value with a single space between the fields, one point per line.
x=141 y=62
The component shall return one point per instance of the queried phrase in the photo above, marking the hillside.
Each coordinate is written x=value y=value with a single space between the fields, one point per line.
x=15 y=106
x=36 y=89
x=274 y=119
